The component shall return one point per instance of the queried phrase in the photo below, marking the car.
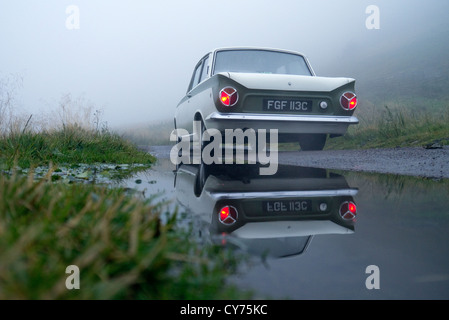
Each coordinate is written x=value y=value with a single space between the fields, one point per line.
x=265 y=88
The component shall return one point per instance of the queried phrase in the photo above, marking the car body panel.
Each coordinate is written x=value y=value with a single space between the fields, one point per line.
x=287 y=82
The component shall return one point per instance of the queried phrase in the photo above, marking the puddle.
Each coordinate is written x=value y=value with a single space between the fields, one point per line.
x=101 y=173
x=156 y=182
x=306 y=240
x=311 y=244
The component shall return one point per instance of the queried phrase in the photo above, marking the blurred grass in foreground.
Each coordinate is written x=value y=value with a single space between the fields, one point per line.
x=125 y=248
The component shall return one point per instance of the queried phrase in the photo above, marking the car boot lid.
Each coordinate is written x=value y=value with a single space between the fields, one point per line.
x=285 y=82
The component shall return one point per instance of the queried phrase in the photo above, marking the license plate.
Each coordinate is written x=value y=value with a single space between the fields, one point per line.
x=287 y=105
x=287 y=206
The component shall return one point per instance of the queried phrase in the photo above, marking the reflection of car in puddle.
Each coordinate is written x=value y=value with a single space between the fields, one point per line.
x=274 y=215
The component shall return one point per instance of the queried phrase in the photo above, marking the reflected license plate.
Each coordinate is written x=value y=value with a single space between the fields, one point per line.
x=287 y=206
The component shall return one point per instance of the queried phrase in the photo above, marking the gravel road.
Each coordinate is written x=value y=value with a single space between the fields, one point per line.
x=429 y=163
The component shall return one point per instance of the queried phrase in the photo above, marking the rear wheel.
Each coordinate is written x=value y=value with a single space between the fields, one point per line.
x=312 y=142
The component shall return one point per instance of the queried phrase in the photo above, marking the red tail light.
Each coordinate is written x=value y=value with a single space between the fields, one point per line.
x=228 y=215
x=348 y=210
x=229 y=96
x=348 y=101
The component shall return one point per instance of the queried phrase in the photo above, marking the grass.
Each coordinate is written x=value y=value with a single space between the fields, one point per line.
x=72 y=145
x=125 y=248
x=396 y=127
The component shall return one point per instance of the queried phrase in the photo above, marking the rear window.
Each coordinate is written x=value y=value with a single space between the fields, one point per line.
x=260 y=61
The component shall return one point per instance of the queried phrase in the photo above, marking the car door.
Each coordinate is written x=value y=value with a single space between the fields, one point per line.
x=194 y=100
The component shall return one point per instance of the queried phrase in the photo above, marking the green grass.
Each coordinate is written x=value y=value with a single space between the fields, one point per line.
x=125 y=248
x=392 y=126
x=396 y=126
x=68 y=145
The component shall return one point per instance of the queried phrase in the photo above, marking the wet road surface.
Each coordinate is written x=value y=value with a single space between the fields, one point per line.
x=432 y=163
x=419 y=161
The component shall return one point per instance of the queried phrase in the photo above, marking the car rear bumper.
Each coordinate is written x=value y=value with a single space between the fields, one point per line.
x=285 y=123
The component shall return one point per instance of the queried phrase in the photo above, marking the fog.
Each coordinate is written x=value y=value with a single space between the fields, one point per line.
x=133 y=59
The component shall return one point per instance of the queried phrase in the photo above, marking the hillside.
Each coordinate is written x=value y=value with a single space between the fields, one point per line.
x=411 y=70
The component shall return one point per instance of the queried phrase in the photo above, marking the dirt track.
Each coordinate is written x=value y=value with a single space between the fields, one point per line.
x=430 y=163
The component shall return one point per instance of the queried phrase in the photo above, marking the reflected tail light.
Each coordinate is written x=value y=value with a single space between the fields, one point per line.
x=228 y=96
x=348 y=210
x=348 y=101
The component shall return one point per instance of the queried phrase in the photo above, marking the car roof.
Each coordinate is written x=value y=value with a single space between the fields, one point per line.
x=257 y=48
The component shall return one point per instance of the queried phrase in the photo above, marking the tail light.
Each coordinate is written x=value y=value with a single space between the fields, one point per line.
x=348 y=210
x=229 y=96
x=348 y=101
x=228 y=215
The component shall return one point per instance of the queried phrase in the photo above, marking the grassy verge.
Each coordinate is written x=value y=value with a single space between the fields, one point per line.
x=119 y=243
x=396 y=127
x=69 y=145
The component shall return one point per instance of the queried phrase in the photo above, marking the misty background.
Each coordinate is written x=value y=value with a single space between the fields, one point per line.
x=132 y=60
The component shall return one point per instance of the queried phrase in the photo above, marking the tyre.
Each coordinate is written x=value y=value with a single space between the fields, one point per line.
x=312 y=142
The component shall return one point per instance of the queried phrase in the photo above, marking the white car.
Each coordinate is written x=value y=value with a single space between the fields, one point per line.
x=260 y=88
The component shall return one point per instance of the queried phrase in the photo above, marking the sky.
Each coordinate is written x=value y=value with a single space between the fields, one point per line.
x=133 y=59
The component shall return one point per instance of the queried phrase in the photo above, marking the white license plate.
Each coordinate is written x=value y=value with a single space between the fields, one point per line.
x=287 y=105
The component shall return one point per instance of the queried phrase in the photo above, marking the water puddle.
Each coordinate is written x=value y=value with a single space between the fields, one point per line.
x=100 y=173
x=315 y=233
